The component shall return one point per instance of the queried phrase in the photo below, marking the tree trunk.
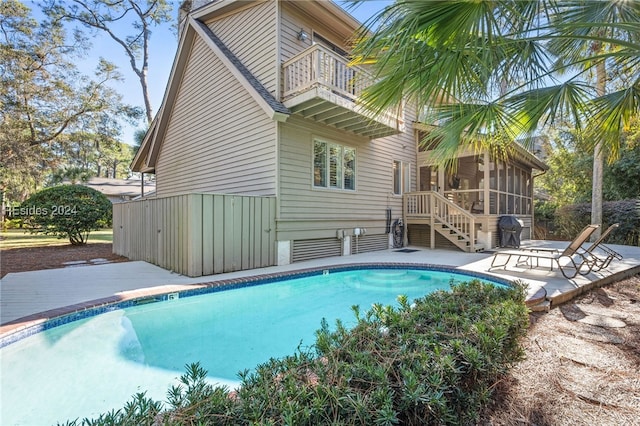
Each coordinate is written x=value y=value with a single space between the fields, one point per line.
x=598 y=160
x=147 y=99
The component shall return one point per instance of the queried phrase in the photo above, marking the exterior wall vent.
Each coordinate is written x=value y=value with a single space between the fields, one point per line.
x=316 y=249
x=369 y=243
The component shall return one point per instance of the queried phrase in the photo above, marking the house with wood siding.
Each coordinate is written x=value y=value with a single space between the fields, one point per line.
x=262 y=154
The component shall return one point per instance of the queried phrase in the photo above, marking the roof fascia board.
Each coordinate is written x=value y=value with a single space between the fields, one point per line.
x=221 y=9
x=212 y=42
x=179 y=64
x=339 y=23
x=338 y=11
x=139 y=161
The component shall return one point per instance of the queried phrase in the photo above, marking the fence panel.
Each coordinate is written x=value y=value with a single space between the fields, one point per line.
x=197 y=234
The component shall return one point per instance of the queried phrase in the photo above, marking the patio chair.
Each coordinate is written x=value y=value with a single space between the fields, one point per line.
x=570 y=258
x=603 y=259
x=597 y=254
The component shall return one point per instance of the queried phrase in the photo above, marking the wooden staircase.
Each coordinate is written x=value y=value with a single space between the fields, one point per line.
x=460 y=240
x=445 y=217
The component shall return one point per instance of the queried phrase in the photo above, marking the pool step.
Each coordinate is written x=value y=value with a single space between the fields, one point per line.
x=396 y=279
x=399 y=276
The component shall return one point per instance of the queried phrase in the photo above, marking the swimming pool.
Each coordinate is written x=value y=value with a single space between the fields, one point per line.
x=93 y=365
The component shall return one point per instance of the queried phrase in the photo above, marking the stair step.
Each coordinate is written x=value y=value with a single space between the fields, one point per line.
x=456 y=237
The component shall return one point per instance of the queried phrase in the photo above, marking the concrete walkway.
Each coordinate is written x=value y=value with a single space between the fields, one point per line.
x=26 y=294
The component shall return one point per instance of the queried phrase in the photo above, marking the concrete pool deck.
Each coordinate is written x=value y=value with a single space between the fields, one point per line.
x=29 y=298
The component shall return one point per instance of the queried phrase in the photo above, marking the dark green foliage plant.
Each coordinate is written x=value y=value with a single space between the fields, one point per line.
x=431 y=362
x=569 y=220
x=67 y=211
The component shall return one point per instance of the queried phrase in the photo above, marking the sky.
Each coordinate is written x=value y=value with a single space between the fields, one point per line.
x=162 y=49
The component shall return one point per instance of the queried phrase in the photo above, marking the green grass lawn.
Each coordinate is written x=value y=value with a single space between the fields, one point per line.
x=18 y=238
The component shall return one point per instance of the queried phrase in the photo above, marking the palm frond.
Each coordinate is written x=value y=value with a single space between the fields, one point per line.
x=613 y=114
x=451 y=47
x=550 y=105
x=468 y=126
x=488 y=71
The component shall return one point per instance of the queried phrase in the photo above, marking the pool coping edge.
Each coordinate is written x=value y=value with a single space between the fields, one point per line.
x=20 y=328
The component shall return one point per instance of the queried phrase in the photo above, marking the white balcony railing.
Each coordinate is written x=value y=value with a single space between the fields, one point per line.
x=318 y=66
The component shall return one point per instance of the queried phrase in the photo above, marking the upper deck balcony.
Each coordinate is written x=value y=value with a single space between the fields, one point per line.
x=320 y=85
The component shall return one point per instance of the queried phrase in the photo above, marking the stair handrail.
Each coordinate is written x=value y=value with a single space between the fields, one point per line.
x=462 y=221
x=435 y=205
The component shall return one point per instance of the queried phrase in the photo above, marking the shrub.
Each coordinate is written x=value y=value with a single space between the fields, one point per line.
x=431 y=362
x=544 y=213
x=12 y=224
x=569 y=220
x=67 y=211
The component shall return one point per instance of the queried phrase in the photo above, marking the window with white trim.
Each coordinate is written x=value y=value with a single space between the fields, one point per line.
x=334 y=166
x=401 y=177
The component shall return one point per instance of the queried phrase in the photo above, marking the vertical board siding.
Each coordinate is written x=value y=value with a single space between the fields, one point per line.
x=218 y=138
x=197 y=234
x=250 y=34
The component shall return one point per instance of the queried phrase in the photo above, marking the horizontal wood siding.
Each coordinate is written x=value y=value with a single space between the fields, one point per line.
x=291 y=21
x=197 y=234
x=218 y=139
x=250 y=34
x=308 y=212
x=290 y=25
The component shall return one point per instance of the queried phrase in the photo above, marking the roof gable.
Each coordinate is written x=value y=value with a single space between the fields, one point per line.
x=147 y=156
x=270 y=104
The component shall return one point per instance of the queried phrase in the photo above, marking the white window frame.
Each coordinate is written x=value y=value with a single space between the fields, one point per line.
x=340 y=169
x=401 y=170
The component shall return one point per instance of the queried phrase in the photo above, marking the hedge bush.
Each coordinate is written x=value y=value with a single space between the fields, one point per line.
x=431 y=362
x=66 y=211
x=569 y=220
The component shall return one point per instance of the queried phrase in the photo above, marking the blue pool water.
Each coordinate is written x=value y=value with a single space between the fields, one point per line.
x=88 y=367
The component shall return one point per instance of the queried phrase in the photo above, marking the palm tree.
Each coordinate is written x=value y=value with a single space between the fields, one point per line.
x=491 y=72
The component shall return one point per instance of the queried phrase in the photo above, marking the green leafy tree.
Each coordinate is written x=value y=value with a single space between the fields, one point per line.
x=45 y=103
x=489 y=72
x=67 y=211
x=138 y=138
x=568 y=180
x=109 y=17
x=95 y=154
x=622 y=177
x=72 y=174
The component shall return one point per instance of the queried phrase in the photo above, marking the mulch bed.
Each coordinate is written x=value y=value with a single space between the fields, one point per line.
x=581 y=366
x=52 y=257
